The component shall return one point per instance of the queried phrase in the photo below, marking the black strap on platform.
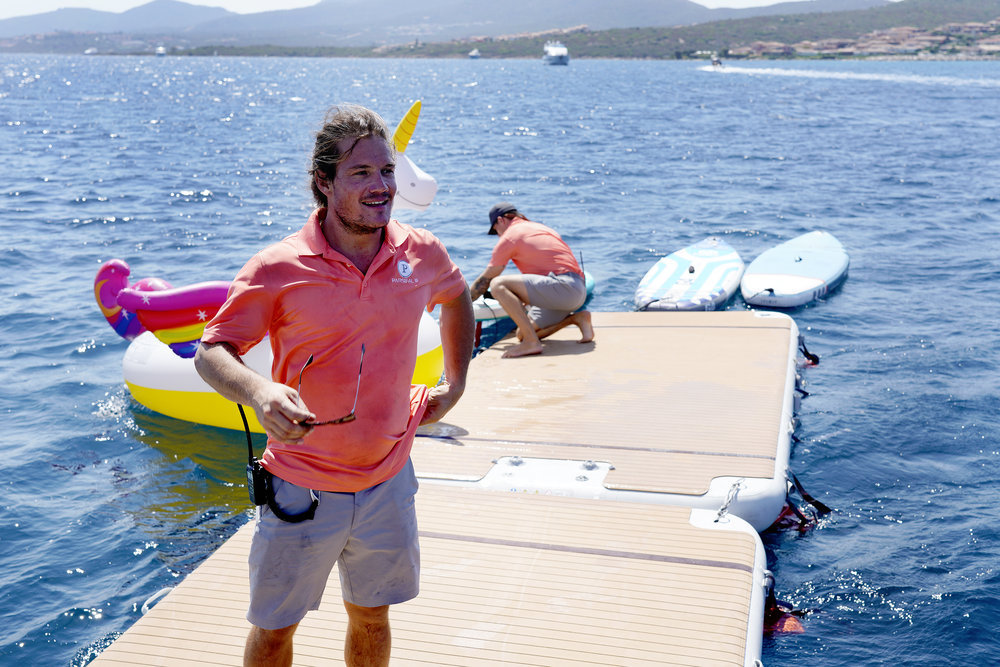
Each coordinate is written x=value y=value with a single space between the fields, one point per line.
x=820 y=507
x=258 y=476
x=810 y=357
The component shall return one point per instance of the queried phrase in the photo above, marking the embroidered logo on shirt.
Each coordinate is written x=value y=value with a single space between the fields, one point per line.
x=405 y=272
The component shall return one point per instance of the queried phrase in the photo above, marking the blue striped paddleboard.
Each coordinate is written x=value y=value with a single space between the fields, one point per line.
x=702 y=276
x=795 y=272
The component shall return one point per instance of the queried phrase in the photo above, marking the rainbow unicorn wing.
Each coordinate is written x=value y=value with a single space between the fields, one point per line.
x=177 y=316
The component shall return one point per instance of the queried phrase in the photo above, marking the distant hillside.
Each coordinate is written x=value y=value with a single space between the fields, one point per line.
x=677 y=42
x=216 y=31
x=159 y=16
x=720 y=36
x=924 y=14
x=350 y=22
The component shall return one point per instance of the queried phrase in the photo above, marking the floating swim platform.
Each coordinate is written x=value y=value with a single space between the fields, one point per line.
x=508 y=579
x=678 y=408
x=596 y=504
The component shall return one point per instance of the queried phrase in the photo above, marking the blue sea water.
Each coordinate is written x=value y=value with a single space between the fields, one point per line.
x=186 y=166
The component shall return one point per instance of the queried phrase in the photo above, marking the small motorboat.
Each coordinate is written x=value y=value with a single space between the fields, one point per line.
x=555 y=53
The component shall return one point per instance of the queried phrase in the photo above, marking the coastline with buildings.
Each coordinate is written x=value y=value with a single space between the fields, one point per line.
x=973 y=40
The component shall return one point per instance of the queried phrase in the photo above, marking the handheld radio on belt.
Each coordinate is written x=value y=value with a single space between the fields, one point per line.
x=260 y=487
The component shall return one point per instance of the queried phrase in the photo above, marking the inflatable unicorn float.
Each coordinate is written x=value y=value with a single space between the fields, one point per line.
x=165 y=323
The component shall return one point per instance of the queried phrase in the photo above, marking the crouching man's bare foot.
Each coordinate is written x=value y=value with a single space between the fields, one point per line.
x=582 y=320
x=523 y=349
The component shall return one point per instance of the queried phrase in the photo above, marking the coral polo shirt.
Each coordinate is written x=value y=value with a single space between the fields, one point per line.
x=534 y=248
x=310 y=299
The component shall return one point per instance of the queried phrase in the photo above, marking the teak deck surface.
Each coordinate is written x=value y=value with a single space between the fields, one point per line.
x=671 y=400
x=507 y=579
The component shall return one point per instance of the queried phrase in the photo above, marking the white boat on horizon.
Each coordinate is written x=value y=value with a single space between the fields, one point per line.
x=474 y=53
x=555 y=53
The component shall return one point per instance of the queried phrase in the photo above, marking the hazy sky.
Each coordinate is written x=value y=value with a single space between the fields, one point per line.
x=9 y=8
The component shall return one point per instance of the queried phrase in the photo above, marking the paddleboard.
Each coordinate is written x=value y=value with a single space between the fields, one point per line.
x=486 y=309
x=795 y=272
x=702 y=276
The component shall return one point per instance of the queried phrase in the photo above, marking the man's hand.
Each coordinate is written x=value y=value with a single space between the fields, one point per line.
x=279 y=408
x=440 y=400
x=281 y=412
x=479 y=286
x=458 y=331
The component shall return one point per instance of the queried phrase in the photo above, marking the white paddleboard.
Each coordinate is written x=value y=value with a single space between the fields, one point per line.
x=702 y=276
x=795 y=272
x=487 y=309
x=490 y=309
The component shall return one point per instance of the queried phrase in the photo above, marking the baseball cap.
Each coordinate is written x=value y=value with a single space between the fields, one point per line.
x=503 y=208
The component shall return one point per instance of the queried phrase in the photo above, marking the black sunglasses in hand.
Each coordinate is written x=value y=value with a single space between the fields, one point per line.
x=339 y=420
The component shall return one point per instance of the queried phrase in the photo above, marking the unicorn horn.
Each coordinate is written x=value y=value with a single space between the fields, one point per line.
x=415 y=188
x=401 y=137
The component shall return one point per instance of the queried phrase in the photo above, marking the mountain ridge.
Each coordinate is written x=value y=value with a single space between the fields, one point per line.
x=349 y=22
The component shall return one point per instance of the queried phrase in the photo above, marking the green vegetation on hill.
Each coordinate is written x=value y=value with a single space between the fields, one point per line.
x=636 y=43
x=684 y=41
x=793 y=28
x=281 y=51
x=678 y=42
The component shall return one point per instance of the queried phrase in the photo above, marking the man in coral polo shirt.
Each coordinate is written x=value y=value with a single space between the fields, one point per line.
x=347 y=292
x=551 y=283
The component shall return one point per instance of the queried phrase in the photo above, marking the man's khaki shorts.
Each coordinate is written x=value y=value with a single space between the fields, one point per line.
x=371 y=535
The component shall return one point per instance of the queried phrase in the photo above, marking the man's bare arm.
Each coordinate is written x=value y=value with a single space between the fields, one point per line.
x=457 y=339
x=482 y=283
x=278 y=407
